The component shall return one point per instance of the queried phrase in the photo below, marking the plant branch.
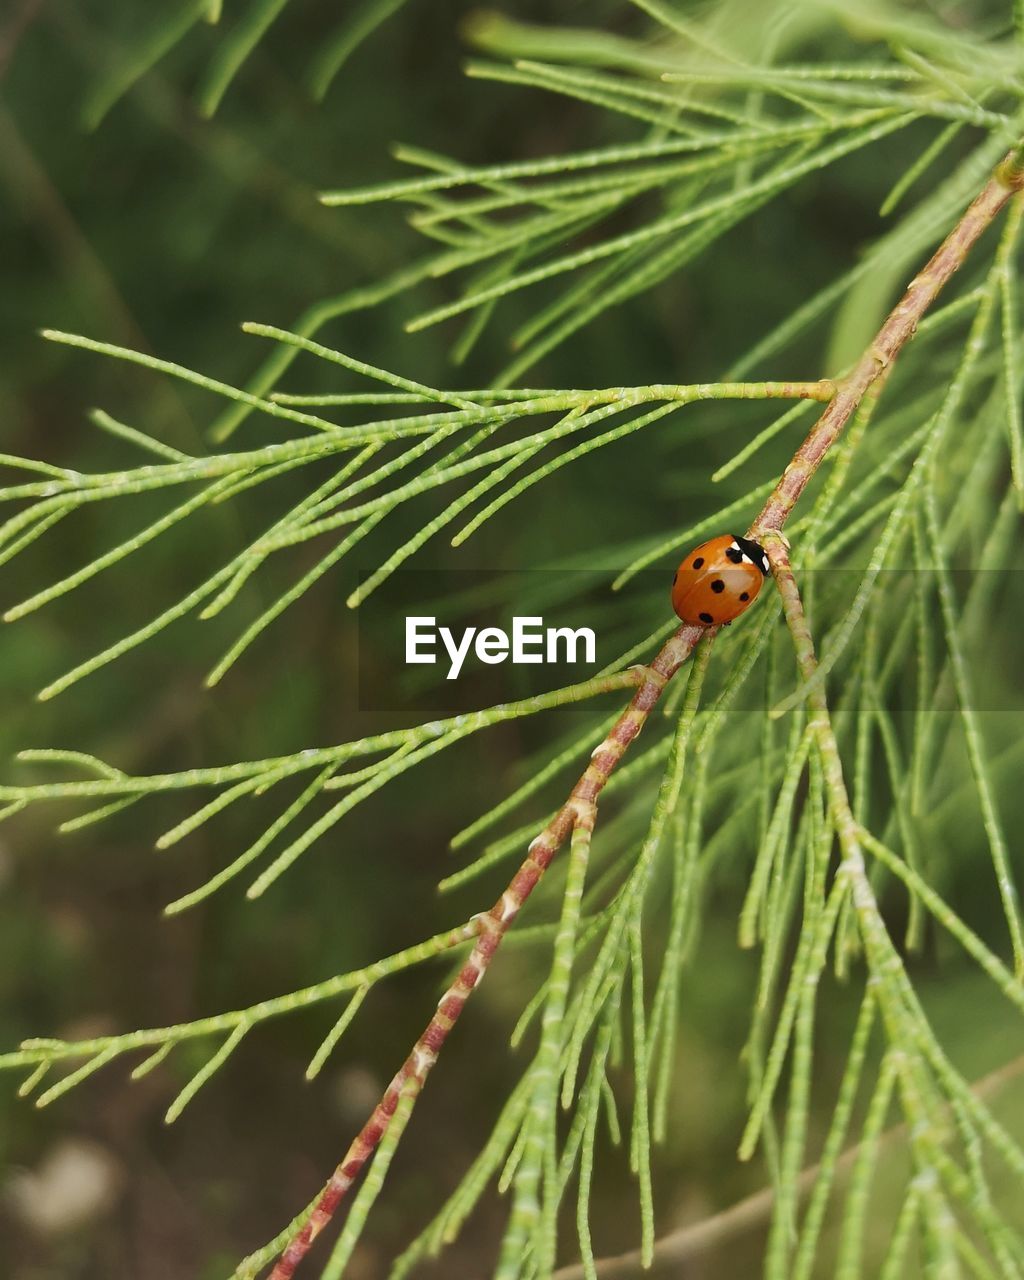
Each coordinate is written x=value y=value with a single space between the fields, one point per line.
x=579 y=811
x=890 y=340
x=753 y=1211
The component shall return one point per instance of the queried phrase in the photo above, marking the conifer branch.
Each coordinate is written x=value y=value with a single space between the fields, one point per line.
x=580 y=809
x=825 y=817
x=753 y=1211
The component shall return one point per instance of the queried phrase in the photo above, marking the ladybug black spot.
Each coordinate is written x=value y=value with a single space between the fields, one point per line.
x=734 y=554
x=706 y=618
x=744 y=595
x=699 y=562
x=718 y=586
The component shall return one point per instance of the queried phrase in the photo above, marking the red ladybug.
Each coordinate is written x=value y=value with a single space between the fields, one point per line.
x=718 y=580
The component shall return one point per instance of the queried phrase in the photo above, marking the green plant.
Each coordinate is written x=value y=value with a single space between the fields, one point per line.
x=928 y=474
x=128 y=58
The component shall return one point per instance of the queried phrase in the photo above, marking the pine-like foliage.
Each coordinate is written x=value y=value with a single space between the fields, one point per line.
x=827 y=766
x=127 y=56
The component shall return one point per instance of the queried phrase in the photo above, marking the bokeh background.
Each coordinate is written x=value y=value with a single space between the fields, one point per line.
x=162 y=230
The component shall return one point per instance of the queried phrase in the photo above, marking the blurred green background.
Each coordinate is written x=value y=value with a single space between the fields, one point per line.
x=163 y=231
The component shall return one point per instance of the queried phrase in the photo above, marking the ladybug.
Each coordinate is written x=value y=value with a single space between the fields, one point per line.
x=718 y=580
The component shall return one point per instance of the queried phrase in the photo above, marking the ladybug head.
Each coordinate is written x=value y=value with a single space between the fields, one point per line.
x=754 y=552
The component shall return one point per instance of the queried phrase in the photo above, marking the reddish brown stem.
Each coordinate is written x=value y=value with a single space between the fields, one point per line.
x=580 y=808
x=890 y=340
x=894 y=334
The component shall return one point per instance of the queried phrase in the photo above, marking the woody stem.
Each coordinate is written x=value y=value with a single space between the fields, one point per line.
x=895 y=333
x=580 y=807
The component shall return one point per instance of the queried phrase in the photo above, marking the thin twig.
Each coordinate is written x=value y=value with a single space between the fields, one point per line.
x=580 y=808
x=754 y=1210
